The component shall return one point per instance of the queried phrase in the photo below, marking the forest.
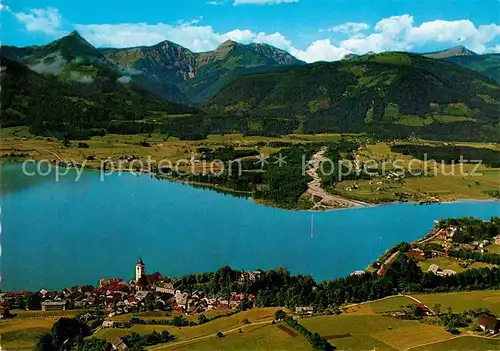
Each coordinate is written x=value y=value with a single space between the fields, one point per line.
x=450 y=154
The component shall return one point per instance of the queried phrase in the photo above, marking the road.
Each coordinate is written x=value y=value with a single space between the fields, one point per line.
x=315 y=189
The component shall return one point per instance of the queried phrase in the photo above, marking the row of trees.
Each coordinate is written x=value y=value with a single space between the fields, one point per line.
x=280 y=288
x=317 y=341
x=487 y=257
x=450 y=154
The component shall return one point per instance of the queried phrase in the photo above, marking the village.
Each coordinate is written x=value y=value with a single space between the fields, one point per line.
x=447 y=250
x=115 y=296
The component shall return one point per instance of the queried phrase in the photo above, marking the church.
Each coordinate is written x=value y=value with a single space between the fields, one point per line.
x=144 y=281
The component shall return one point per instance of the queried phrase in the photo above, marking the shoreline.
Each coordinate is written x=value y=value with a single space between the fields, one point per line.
x=248 y=195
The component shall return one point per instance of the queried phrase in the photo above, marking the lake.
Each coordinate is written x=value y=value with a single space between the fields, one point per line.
x=64 y=233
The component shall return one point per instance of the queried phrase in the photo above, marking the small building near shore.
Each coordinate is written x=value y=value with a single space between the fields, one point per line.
x=54 y=305
x=488 y=323
x=108 y=324
x=305 y=310
x=118 y=344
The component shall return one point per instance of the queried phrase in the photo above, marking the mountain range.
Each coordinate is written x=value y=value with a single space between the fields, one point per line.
x=366 y=92
x=255 y=88
x=165 y=69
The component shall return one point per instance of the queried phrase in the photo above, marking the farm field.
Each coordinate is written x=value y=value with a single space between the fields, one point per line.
x=448 y=183
x=360 y=327
x=166 y=315
x=462 y=343
x=374 y=331
x=390 y=304
x=184 y=333
x=460 y=301
x=451 y=263
x=23 y=333
x=259 y=337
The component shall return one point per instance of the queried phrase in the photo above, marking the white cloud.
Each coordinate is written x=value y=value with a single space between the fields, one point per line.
x=124 y=79
x=389 y=35
x=52 y=64
x=262 y=2
x=275 y=39
x=47 y=21
x=349 y=28
x=393 y=33
x=194 y=37
x=462 y=32
x=320 y=50
x=242 y=36
x=493 y=50
x=216 y=3
x=4 y=7
x=399 y=33
x=80 y=78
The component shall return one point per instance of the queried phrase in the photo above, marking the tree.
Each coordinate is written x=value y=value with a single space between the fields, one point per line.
x=202 y=319
x=178 y=321
x=437 y=308
x=34 y=301
x=69 y=329
x=279 y=315
x=93 y=344
x=45 y=343
x=22 y=303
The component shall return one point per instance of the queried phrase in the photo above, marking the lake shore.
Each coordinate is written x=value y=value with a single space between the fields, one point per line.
x=315 y=207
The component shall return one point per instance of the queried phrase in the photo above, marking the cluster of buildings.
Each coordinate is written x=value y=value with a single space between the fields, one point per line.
x=116 y=296
x=434 y=268
x=446 y=236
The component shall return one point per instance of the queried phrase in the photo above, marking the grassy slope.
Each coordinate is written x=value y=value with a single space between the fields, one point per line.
x=374 y=331
x=460 y=301
x=261 y=337
x=465 y=343
x=210 y=328
x=488 y=65
x=449 y=183
x=29 y=98
x=450 y=263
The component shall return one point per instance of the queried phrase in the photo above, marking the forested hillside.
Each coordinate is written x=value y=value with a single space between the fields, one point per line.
x=389 y=93
x=488 y=65
x=72 y=109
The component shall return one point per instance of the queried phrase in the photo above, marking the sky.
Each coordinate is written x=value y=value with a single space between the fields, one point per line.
x=312 y=30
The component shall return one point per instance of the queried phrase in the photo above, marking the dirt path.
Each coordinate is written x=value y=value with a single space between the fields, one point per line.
x=326 y=201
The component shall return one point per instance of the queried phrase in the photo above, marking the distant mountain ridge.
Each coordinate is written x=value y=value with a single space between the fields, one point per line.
x=456 y=51
x=486 y=64
x=199 y=75
x=254 y=88
x=166 y=69
x=395 y=90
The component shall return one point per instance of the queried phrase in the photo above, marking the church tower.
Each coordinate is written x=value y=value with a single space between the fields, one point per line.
x=140 y=269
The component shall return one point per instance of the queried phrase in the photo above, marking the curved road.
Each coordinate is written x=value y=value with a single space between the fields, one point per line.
x=326 y=200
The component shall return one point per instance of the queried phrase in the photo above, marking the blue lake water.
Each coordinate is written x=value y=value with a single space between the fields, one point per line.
x=57 y=234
